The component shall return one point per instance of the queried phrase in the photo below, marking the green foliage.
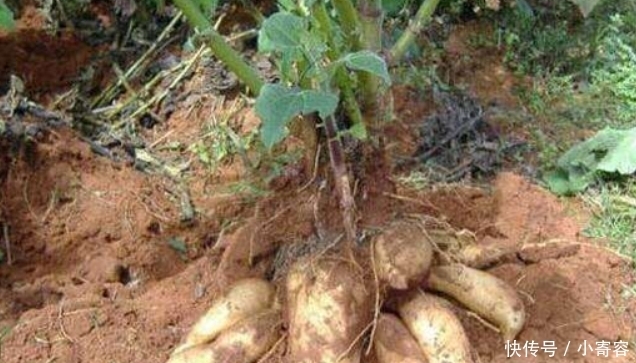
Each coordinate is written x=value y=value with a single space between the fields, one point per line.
x=614 y=217
x=369 y=62
x=539 y=41
x=277 y=105
x=601 y=91
x=282 y=32
x=219 y=143
x=613 y=76
x=547 y=150
x=609 y=151
x=309 y=60
x=551 y=38
x=288 y=38
x=6 y=17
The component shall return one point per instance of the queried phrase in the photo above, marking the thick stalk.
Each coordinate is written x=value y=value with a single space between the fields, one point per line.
x=416 y=24
x=349 y=22
x=372 y=91
x=232 y=59
x=343 y=184
x=371 y=18
x=334 y=144
x=350 y=103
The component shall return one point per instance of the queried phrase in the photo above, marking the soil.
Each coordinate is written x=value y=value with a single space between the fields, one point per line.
x=102 y=269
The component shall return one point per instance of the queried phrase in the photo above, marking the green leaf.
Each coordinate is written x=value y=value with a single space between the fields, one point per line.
x=276 y=105
x=368 y=61
x=281 y=32
x=610 y=150
x=564 y=182
x=589 y=153
x=622 y=157
x=586 y=6
x=558 y=182
x=6 y=17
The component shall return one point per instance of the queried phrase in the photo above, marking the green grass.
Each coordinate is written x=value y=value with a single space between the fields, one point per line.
x=614 y=219
x=584 y=71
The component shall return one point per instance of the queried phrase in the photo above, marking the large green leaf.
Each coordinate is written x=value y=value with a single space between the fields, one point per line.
x=586 y=6
x=368 y=61
x=287 y=36
x=6 y=17
x=568 y=182
x=587 y=154
x=610 y=150
x=281 y=32
x=276 y=105
x=622 y=157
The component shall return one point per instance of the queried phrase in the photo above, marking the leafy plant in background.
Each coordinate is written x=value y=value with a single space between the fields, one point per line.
x=609 y=152
x=6 y=17
x=538 y=40
x=613 y=77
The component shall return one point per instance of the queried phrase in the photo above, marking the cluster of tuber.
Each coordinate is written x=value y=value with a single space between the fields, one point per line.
x=399 y=303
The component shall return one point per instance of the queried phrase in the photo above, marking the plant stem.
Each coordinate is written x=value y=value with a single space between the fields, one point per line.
x=342 y=80
x=341 y=175
x=324 y=25
x=371 y=18
x=349 y=100
x=416 y=24
x=349 y=22
x=219 y=47
x=334 y=144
